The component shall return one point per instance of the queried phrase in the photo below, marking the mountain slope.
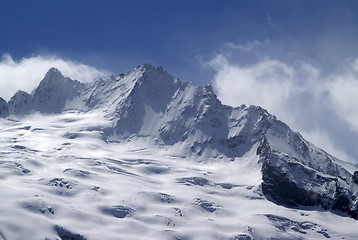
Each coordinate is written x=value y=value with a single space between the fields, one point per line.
x=148 y=151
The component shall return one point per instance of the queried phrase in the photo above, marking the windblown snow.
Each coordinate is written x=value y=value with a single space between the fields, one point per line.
x=145 y=156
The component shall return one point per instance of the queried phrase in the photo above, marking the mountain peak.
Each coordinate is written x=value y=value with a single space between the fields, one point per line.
x=146 y=66
x=53 y=70
x=53 y=74
x=149 y=69
x=20 y=103
x=151 y=79
x=53 y=92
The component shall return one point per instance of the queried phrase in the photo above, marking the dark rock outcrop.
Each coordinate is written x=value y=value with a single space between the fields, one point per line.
x=306 y=176
x=4 y=110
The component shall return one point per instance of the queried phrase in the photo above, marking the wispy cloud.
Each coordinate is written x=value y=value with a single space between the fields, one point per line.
x=298 y=94
x=26 y=73
x=269 y=20
x=249 y=46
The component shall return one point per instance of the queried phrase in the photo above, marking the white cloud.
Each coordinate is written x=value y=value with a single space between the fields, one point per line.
x=321 y=139
x=269 y=83
x=298 y=94
x=343 y=92
x=26 y=73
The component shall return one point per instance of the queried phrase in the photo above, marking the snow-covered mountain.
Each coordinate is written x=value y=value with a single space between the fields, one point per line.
x=142 y=155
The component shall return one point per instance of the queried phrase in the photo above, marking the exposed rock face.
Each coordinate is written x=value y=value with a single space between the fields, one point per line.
x=4 y=110
x=355 y=177
x=304 y=174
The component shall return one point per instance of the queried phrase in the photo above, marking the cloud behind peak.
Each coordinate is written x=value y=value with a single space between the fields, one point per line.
x=26 y=73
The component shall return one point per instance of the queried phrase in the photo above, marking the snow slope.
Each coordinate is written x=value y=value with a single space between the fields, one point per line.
x=145 y=156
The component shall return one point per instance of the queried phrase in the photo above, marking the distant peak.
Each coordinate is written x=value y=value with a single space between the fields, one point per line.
x=155 y=75
x=147 y=67
x=53 y=70
x=53 y=73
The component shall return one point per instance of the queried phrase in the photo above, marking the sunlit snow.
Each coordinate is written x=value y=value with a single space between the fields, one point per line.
x=121 y=162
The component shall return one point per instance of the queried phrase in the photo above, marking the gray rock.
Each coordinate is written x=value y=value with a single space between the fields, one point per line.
x=4 y=110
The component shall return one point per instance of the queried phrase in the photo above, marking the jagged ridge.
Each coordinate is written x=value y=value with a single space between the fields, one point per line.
x=148 y=102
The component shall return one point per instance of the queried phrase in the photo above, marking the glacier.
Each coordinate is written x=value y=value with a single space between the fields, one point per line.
x=143 y=155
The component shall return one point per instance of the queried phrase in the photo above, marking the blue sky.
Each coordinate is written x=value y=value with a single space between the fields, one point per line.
x=120 y=34
x=296 y=58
